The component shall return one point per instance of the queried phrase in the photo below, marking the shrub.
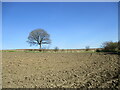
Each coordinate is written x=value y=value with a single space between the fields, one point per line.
x=30 y=50
x=40 y=50
x=97 y=50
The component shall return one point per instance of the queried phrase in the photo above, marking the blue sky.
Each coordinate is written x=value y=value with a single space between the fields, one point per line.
x=0 y=26
x=71 y=25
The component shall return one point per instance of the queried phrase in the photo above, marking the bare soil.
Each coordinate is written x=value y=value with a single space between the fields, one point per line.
x=59 y=70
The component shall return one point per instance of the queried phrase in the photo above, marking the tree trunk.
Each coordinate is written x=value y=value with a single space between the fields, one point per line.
x=40 y=46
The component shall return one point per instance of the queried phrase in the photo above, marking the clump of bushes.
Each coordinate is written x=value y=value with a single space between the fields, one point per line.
x=110 y=47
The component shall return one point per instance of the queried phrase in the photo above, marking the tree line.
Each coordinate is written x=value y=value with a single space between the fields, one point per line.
x=41 y=37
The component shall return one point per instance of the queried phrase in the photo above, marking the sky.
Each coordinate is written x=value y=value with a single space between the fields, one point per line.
x=71 y=25
x=119 y=21
x=0 y=25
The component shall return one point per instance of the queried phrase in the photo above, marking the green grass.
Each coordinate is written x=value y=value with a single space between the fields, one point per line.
x=32 y=51
x=9 y=51
x=60 y=51
x=50 y=51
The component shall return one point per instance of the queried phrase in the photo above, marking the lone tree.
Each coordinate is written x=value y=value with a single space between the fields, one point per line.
x=38 y=37
x=87 y=48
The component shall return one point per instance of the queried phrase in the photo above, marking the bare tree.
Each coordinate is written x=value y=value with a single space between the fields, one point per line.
x=87 y=48
x=56 y=49
x=38 y=37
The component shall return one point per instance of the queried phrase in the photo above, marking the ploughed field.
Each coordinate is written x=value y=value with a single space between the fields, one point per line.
x=60 y=70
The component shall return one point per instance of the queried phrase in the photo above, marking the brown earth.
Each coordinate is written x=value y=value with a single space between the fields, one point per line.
x=68 y=70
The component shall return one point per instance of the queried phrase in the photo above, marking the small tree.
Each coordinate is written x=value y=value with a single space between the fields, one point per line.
x=39 y=37
x=87 y=48
x=56 y=49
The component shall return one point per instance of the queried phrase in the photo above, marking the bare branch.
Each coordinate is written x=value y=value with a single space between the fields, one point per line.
x=39 y=37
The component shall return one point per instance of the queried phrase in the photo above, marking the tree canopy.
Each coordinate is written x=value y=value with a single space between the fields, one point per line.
x=38 y=37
